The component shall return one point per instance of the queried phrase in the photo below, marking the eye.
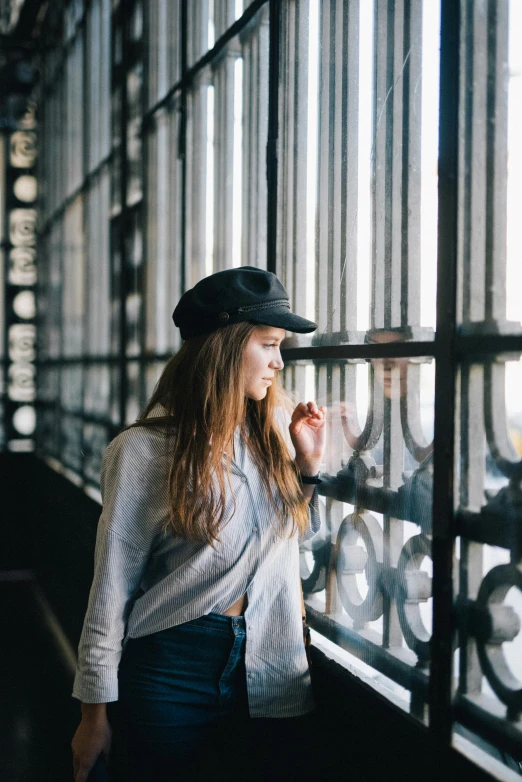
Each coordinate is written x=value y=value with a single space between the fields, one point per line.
x=271 y=345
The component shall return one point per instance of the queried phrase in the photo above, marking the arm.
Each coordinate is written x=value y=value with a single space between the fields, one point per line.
x=120 y=558
x=92 y=739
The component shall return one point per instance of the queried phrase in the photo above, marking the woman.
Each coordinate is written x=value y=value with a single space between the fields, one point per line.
x=197 y=562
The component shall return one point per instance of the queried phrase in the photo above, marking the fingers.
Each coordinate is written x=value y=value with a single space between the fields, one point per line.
x=81 y=775
x=309 y=410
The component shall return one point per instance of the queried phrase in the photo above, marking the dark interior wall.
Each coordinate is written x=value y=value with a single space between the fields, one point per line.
x=16 y=490
x=53 y=528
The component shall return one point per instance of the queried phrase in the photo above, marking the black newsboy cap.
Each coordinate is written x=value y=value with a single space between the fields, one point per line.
x=235 y=296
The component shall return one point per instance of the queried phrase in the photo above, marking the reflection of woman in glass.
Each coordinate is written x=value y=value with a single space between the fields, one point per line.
x=392 y=375
x=390 y=370
x=197 y=561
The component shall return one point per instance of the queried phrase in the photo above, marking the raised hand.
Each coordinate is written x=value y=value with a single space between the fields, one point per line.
x=307 y=430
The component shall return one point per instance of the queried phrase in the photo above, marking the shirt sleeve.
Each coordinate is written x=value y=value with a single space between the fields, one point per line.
x=120 y=557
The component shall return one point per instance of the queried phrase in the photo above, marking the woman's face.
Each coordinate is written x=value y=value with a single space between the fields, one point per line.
x=261 y=360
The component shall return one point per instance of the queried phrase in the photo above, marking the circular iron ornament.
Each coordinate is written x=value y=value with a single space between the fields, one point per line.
x=496 y=624
x=352 y=559
x=414 y=587
x=22 y=227
x=314 y=579
x=24 y=420
x=23 y=149
x=25 y=188
x=24 y=305
x=22 y=339
x=21 y=386
x=22 y=266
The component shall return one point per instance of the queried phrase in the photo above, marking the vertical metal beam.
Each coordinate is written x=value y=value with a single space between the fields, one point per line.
x=183 y=143
x=123 y=15
x=273 y=133
x=440 y=716
x=496 y=161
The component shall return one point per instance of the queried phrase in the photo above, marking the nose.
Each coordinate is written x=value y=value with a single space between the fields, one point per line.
x=277 y=362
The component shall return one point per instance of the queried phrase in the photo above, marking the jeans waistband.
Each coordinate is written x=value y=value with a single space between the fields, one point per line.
x=222 y=620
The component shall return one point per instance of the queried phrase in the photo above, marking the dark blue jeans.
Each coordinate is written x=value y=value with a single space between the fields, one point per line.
x=182 y=713
x=179 y=690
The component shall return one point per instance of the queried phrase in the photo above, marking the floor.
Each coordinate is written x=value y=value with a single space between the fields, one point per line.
x=37 y=714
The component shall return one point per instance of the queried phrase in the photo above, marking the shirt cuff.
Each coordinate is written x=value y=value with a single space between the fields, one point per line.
x=97 y=684
x=315 y=517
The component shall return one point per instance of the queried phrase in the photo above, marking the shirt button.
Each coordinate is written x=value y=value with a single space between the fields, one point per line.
x=254 y=529
x=243 y=479
x=250 y=675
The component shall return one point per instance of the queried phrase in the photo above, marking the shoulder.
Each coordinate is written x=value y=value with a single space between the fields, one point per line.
x=139 y=449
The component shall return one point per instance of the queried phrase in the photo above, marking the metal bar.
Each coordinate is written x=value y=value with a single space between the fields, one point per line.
x=374 y=350
x=385 y=662
x=497 y=730
x=182 y=148
x=440 y=715
x=124 y=217
x=496 y=160
x=273 y=132
x=144 y=209
x=350 y=162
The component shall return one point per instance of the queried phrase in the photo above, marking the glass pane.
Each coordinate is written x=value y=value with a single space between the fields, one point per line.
x=152 y=375
x=163 y=233
x=134 y=401
x=97 y=337
x=134 y=147
x=71 y=443
x=134 y=279
x=71 y=387
x=164 y=49
x=358 y=167
x=200 y=26
x=226 y=157
x=97 y=391
x=491 y=168
x=367 y=575
x=73 y=280
x=490 y=515
x=96 y=439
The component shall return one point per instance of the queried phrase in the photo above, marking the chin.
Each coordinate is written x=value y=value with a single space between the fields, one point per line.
x=257 y=396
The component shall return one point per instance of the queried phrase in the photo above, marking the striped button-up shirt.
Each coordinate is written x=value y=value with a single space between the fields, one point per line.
x=147 y=579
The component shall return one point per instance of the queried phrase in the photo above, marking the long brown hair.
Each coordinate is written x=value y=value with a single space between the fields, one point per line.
x=202 y=389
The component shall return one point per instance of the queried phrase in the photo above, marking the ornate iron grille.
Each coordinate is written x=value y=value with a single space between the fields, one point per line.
x=19 y=184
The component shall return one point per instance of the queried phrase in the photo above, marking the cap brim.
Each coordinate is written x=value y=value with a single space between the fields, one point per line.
x=283 y=319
